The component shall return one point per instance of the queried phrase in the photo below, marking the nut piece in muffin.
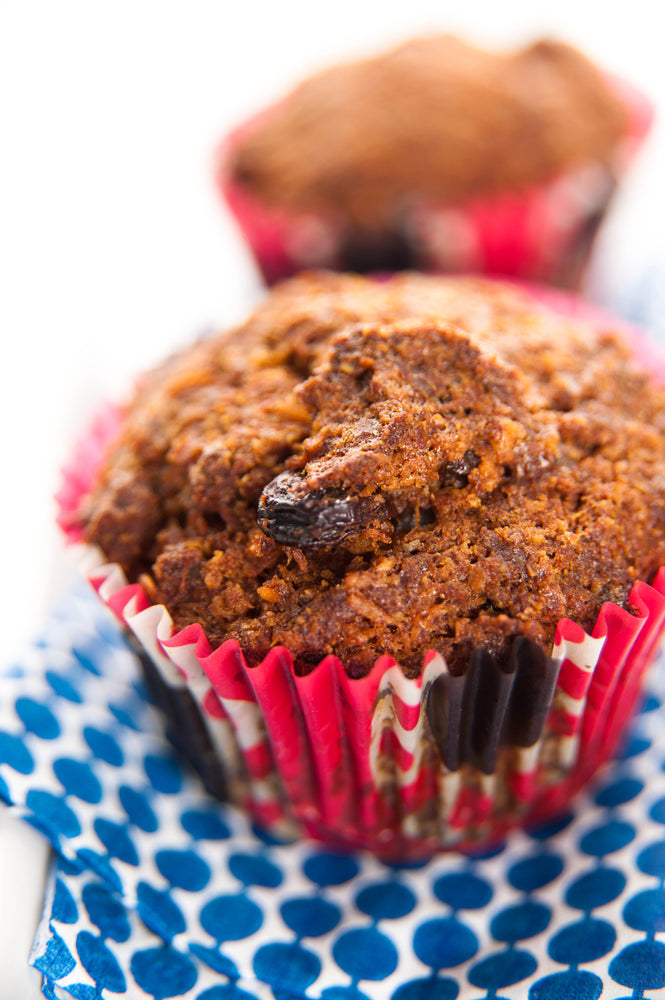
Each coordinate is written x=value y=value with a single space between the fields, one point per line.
x=434 y=156
x=373 y=467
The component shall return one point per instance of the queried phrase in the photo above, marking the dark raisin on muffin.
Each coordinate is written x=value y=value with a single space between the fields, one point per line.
x=435 y=118
x=387 y=467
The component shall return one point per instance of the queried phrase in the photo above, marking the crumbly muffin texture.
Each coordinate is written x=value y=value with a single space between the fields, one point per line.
x=435 y=119
x=369 y=467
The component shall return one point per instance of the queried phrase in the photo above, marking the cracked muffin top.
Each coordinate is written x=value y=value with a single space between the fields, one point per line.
x=435 y=117
x=368 y=467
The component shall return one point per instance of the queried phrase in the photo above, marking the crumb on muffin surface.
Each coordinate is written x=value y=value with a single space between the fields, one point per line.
x=387 y=467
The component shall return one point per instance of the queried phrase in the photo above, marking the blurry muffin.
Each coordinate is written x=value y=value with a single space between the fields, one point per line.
x=423 y=479
x=436 y=156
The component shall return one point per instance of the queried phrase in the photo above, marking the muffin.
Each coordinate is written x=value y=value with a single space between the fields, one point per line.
x=436 y=156
x=397 y=545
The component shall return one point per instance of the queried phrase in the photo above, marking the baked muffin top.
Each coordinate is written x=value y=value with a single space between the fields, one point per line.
x=436 y=118
x=369 y=467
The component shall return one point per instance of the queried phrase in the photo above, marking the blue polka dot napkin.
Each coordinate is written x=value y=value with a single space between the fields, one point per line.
x=158 y=891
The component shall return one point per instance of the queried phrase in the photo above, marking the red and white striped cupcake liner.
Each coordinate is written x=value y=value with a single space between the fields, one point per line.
x=360 y=762
x=540 y=234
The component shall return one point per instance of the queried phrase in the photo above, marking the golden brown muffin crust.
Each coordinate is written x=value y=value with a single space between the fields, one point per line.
x=437 y=119
x=368 y=467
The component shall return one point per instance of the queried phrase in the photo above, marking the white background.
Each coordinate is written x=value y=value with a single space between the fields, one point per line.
x=114 y=248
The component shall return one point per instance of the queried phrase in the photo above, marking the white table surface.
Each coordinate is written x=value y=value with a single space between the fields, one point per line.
x=114 y=248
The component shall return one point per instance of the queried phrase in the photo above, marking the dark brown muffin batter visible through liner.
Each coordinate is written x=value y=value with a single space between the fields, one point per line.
x=388 y=467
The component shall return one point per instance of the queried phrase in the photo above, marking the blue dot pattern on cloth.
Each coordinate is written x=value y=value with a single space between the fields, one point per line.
x=158 y=891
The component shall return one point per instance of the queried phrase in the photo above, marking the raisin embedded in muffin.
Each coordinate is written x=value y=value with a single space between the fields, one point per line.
x=387 y=467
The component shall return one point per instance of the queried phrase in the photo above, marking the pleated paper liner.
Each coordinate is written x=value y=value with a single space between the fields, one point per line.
x=401 y=767
x=543 y=233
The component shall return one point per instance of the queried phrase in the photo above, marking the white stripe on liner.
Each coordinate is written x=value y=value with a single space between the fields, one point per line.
x=150 y=626
x=185 y=658
x=410 y=692
x=248 y=722
x=584 y=654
